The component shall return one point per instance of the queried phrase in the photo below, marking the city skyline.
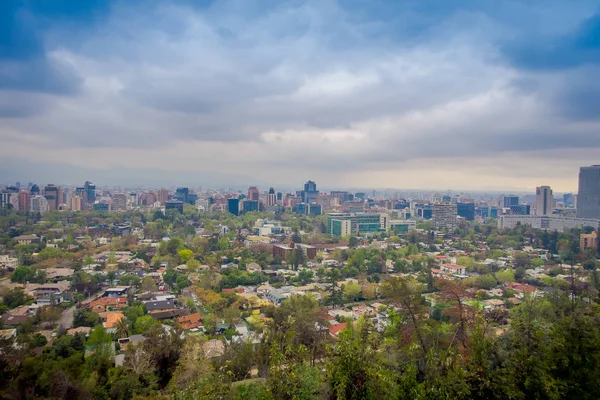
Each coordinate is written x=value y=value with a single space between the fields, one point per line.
x=417 y=95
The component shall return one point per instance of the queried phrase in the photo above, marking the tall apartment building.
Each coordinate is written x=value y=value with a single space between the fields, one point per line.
x=588 y=241
x=544 y=201
x=24 y=200
x=443 y=216
x=310 y=192
x=53 y=194
x=253 y=193
x=39 y=204
x=118 y=201
x=76 y=203
x=271 y=197
x=511 y=200
x=163 y=196
x=588 y=198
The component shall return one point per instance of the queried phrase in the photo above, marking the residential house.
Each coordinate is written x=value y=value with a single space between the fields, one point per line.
x=7 y=262
x=27 y=239
x=57 y=274
x=112 y=319
x=453 y=269
x=335 y=330
x=104 y=304
x=192 y=321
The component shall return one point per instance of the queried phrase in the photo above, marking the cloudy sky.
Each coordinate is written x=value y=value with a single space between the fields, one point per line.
x=462 y=94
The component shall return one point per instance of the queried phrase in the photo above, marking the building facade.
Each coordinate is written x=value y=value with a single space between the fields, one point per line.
x=588 y=198
x=547 y=222
x=544 y=201
x=444 y=216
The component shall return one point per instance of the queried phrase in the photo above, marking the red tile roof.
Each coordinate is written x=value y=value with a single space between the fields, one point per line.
x=190 y=321
x=336 y=329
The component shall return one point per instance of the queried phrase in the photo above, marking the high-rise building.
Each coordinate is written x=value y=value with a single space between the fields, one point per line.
x=250 y=205
x=521 y=209
x=253 y=193
x=588 y=198
x=24 y=200
x=90 y=190
x=174 y=205
x=39 y=204
x=76 y=203
x=310 y=192
x=544 y=201
x=443 y=216
x=119 y=201
x=163 y=195
x=35 y=190
x=568 y=199
x=511 y=200
x=466 y=210
x=183 y=194
x=271 y=197
x=233 y=206
x=342 y=196
x=53 y=194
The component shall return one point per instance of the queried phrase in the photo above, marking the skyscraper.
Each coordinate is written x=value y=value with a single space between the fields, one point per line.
x=511 y=200
x=183 y=194
x=233 y=206
x=39 y=204
x=250 y=205
x=52 y=194
x=253 y=193
x=544 y=200
x=76 y=203
x=90 y=190
x=271 y=197
x=163 y=195
x=310 y=192
x=588 y=199
x=24 y=200
x=444 y=216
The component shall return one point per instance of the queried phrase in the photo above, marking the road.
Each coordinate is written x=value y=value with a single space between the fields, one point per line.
x=66 y=319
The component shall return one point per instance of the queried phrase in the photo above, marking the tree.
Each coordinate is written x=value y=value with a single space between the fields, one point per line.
x=296 y=238
x=306 y=276
x=88 y=260
x=111 y=276
x=185 y=255
x=353 y=242
x=144 y=324
x=85 y=317
x=170 y=277
x=22 y=275
x=138 y=360
x=39 y=340
x=14 y=298
x=112 y=258
x=352 y=291
x=123 y=329
x=148 y=284
x=192 y=364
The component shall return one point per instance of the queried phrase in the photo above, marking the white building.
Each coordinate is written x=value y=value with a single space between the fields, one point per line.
x=39 y=204
x=8 y=262
x=551 y=222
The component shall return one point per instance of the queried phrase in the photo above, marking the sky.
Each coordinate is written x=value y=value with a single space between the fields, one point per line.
x=413 y=94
